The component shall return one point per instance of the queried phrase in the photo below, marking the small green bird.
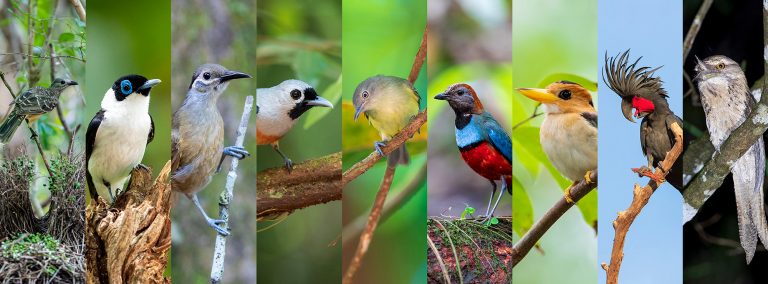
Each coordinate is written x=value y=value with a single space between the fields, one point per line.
x=31 y=104
x=389 y=103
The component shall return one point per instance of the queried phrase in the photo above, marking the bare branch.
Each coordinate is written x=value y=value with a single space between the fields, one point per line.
x=695 y=27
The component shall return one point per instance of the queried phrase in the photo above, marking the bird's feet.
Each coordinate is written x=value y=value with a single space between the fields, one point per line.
x=216 y=225
x=567 y=196
x=378 y=145
x=644 y=171
x=587 y=177
x=141 y=167
x=232 y=151
x=288 y=164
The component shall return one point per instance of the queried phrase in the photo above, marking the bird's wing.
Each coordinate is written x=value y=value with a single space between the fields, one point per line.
x=591 y=117
x=175 y=153
x=644 y=133
x=29 y=102
x=498 y=137
x=748 y=188
x=416 y=93
x=151 y=130
x=90 y=141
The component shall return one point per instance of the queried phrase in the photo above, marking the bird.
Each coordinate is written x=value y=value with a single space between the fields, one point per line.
x=727 y=102
x=484 y=145
x=118 y=135
x=197 y=136
x=30 y=105
x=278 y=108
x=389 y=103
x=640 y=90
x=568 y=134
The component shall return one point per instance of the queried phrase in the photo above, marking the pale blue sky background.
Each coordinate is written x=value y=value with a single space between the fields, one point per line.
x=653 y=249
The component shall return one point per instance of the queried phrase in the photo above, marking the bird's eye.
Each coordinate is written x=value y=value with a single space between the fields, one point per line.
x=564 y=94
x=460 y=92
x=720 y=66
x=207 y=75
x=295 y=94
x=125 y=87
x=365 y=94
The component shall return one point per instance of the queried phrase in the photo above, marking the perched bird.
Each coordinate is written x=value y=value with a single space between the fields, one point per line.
x=568 y=134
x=483 y=143
x=641 y=91
x=197 y=137
x=30 y=105
x=389 y=103
x=727 y=103
x=118 y=135
x=278 y=108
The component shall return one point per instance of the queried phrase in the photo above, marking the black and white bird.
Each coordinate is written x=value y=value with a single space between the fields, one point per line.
x=118 y=135
x=278 y=108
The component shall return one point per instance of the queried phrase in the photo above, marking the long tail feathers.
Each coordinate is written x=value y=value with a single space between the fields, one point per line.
x=748 y=175
x=399 y=157
x=9 y=126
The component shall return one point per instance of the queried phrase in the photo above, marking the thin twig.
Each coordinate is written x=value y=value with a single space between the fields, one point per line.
x=217 y=267
x=533 y=115
x=439 y=260
x=529 y=240
x=695 y=27
x=641 y=195
x=79 y=8
x=58 y=106
x=45 y=57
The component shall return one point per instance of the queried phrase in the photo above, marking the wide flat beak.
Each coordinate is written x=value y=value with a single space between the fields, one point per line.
x=72 y=83
x=231 y=75
x=321 y=102
x=358 y=111
x=539 y=95
x=441 y=96
x=149 y=84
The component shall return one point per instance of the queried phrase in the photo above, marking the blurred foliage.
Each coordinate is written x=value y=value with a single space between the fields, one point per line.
x=544 y=52
x=398 y=243
x=301 y=39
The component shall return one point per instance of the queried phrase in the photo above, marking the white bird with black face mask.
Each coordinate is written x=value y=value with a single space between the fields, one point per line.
x=278 y=108
x=118 y=135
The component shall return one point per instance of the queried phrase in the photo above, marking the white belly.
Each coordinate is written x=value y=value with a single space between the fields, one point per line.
x=570 y=144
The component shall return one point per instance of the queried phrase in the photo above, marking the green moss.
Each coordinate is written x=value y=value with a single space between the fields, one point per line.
x=30 y=244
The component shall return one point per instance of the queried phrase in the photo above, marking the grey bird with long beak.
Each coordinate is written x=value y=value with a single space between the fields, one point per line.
x=198 y=136
x=32 y=104
x=118 y=135
x=279 y=107
x=389 y=103
x=727 y=103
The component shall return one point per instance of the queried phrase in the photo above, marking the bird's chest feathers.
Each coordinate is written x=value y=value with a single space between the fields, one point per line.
x=389 y=119
x=120 y=143
x=201 y=130
x=570 y=142
x=272 y=121
x=656 y=138
x=484 y=159
x=725 y=109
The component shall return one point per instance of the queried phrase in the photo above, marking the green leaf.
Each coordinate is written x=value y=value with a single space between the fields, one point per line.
x=588 y=208
x=467 y=211
x=584 y=82
x=331 y=93
x=522 y=210
x=66 y=37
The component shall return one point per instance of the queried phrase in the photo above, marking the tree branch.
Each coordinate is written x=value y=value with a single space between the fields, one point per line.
x=695 y=27
x=526 y=243
x=217 y=266
x=641 y=196
x=312 y=182
x=79 y=8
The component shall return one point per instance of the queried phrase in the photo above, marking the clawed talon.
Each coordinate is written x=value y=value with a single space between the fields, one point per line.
x=567 y=196
x=288 y=164
x=587 y=179
x=214 y=223
x=141 y=167
x=378 y=145
x=236 y=152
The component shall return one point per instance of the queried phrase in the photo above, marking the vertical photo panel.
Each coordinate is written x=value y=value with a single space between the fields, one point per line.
x=298 y=131
x=640 y=142
x=554 y=141
x=42 y=183
x=384 y=141
x=470 y=151
x=127 y=141
x=724 y=63
x=212 y=174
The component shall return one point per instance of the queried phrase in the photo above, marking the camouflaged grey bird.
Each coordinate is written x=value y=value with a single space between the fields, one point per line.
x=727 y=104
x=31 y=104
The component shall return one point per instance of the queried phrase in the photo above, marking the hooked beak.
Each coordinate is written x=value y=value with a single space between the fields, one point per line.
x=539 y=95
x=149 y=84
x=231 y=75
x=442 y=97
x=626 y=109
x=321 y=102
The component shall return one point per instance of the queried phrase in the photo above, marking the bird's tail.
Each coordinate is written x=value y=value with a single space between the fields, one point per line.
x=398 y=157
x=9 y=126
x=748 y=175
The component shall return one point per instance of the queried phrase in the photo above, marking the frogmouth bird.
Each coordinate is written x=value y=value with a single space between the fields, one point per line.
x=279 y=107
x=640 y=90
x=568 y=133
x=483 y=143
x=727 y=102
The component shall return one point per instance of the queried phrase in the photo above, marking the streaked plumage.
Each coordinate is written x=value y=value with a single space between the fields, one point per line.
x=31 y=104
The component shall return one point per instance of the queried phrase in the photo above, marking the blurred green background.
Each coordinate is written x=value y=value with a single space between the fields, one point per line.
x=469 y=43
x=382 y=37
x=222 y=32
x=127 y=46
x=301 y=39
x=553 y=40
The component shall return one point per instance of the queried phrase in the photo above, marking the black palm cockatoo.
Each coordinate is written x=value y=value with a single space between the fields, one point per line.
x=640 y=90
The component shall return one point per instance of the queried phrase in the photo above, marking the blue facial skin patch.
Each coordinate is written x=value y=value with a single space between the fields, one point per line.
x=125 y=87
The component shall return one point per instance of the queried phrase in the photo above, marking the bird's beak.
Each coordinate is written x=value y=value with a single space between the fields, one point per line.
x=539 y=95
x=71 y=83
x=320 y=101
x=626 y=109
x=149 y=84
x=441 y=96
x=358 y=111
x=231 y=75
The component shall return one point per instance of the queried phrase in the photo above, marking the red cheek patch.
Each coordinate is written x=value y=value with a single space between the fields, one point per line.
x=642 y=105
